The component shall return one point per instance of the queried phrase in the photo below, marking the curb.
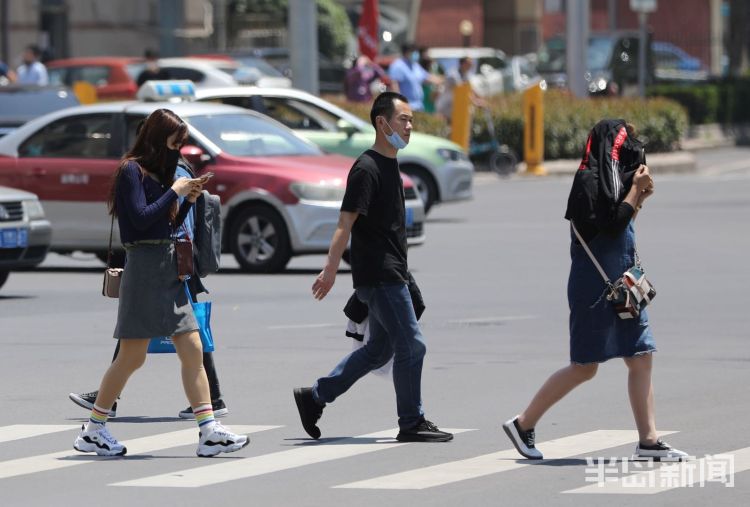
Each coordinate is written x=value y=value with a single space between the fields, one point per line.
x=658 y=163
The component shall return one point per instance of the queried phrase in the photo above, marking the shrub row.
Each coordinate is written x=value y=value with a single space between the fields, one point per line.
x=567 y=121
x=726 y=101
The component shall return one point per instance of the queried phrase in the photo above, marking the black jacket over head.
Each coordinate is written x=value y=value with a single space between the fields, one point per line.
x=604 y=176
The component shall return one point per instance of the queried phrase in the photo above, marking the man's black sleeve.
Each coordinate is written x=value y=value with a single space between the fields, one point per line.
x=360 y=190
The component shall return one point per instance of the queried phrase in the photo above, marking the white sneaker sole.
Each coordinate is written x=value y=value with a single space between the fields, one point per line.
x=208 y=451
x=510 y=430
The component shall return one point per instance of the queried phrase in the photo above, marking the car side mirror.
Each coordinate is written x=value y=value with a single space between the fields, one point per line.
x=194 y=155
x=346 y=127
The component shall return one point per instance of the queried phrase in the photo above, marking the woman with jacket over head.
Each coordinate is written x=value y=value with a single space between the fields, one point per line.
x=153 y=300
x=611 y=185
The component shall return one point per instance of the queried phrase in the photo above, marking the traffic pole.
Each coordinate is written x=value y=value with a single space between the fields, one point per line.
x=533 y=130
x=461 y=115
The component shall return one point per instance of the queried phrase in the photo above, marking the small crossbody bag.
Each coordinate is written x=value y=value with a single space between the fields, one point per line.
x=112 y=276
x=629 y=294
x=183 y=248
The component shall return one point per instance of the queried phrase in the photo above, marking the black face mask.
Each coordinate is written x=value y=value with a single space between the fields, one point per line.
x=173 y=156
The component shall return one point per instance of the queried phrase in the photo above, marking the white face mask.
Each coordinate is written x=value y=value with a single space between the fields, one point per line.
x=395 y=139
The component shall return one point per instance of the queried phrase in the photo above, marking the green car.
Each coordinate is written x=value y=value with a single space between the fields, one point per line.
x=440 y=169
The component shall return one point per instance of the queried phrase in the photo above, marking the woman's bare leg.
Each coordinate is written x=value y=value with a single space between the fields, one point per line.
x=641 y=392
x=131 y=356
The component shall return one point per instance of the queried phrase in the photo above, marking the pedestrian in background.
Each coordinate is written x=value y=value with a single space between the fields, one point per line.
x=409 y=75
x=373 y=213
x=610 y=187
x=32 y=71
x=453 y=78
x=153 y=301
x=7 y=76
x=359 y=80
x=152 y=71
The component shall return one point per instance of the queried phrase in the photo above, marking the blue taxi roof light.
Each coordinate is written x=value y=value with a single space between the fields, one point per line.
x=170 y=90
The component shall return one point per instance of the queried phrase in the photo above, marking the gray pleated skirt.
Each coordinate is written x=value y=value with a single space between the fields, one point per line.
x=152 y=299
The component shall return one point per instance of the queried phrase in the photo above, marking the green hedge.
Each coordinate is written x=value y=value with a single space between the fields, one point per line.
x=726 y=101
x=567 y=121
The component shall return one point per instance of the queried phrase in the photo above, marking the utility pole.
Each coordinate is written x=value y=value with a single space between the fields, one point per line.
x=303 y=44
x=577 y=43
x=4 y=31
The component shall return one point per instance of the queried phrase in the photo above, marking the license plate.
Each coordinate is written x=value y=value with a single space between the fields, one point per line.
x=14 y=238
x=409 y=217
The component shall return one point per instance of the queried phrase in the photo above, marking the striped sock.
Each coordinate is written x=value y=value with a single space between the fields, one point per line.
x=98 y=415
x=204 y=416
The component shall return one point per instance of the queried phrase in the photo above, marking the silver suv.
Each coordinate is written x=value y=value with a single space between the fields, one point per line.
x=25 y=233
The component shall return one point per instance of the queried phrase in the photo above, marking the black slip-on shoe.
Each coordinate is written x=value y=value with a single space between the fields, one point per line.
x=424 y=431
x=309 y=410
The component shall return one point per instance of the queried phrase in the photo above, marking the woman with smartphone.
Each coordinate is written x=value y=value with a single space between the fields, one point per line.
x=610 y=187
x=144 y=198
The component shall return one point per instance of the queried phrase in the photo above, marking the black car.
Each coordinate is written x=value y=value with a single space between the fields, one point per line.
x=612 y=66
x=19 y=104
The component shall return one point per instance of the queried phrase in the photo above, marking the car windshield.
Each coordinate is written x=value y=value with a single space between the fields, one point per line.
x=29 y=103
x=552 y=54
x=263 y=66
x=246 y=135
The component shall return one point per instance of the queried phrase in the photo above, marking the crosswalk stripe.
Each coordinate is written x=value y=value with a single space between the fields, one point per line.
x=497 y=462
x=68 y=458
x=669 y=476
x=19 y=431
x=306 y=454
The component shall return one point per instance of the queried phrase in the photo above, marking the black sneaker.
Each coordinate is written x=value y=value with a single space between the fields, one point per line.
x=522 y=440
x=87 y=400
x=424 y=431
x=309 y=410
x=660 y=451
x=219 y=407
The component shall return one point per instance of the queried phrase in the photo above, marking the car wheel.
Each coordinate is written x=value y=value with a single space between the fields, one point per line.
x=425 y=184
x=259 y=240
x=3 y=277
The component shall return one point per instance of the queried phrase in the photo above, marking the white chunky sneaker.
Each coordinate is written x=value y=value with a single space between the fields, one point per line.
x=522 y=440
x=660 y=451
x=96 y=438
x=219 y=439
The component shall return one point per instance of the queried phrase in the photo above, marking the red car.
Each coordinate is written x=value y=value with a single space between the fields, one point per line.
x=114 y=77
x=280 y=194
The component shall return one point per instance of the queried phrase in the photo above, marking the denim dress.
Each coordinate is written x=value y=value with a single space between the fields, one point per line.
x=597 y=334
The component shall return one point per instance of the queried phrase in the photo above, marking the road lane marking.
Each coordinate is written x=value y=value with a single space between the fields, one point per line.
x=69 y=458
x=492 y=320
x=666 y=477
x=306 y=454
x=497 y=462
x=19 y=431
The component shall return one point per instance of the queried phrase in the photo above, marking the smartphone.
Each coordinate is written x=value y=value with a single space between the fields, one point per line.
x=207 y=176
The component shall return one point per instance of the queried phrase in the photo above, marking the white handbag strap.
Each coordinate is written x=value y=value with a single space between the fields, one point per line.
x=591 y=255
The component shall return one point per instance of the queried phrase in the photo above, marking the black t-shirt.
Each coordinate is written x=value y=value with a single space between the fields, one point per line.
x=150 y=75
x=374 y=190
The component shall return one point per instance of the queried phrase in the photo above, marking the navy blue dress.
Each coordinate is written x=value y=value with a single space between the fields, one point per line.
x=597 y=334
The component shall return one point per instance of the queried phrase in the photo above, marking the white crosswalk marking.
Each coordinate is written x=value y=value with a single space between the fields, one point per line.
x=68 y=458
x=670 y=476
x=307 y=454
x=497 y=462
x=19 y=431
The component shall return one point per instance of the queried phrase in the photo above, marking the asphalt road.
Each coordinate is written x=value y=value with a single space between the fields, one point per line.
x=493 y=272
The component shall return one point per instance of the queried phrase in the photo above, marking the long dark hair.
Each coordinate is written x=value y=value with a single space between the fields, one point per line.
x=150 y=152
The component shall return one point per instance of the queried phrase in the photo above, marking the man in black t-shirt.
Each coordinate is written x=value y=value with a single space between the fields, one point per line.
x=373 y=214
x=152 y=71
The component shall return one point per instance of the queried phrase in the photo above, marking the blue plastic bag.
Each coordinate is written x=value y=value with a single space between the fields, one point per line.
x=202 y=312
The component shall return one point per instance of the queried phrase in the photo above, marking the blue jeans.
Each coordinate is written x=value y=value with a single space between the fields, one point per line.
x=394 y=332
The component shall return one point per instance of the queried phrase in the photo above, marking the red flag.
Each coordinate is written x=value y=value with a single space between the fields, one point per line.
x=367 y=30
